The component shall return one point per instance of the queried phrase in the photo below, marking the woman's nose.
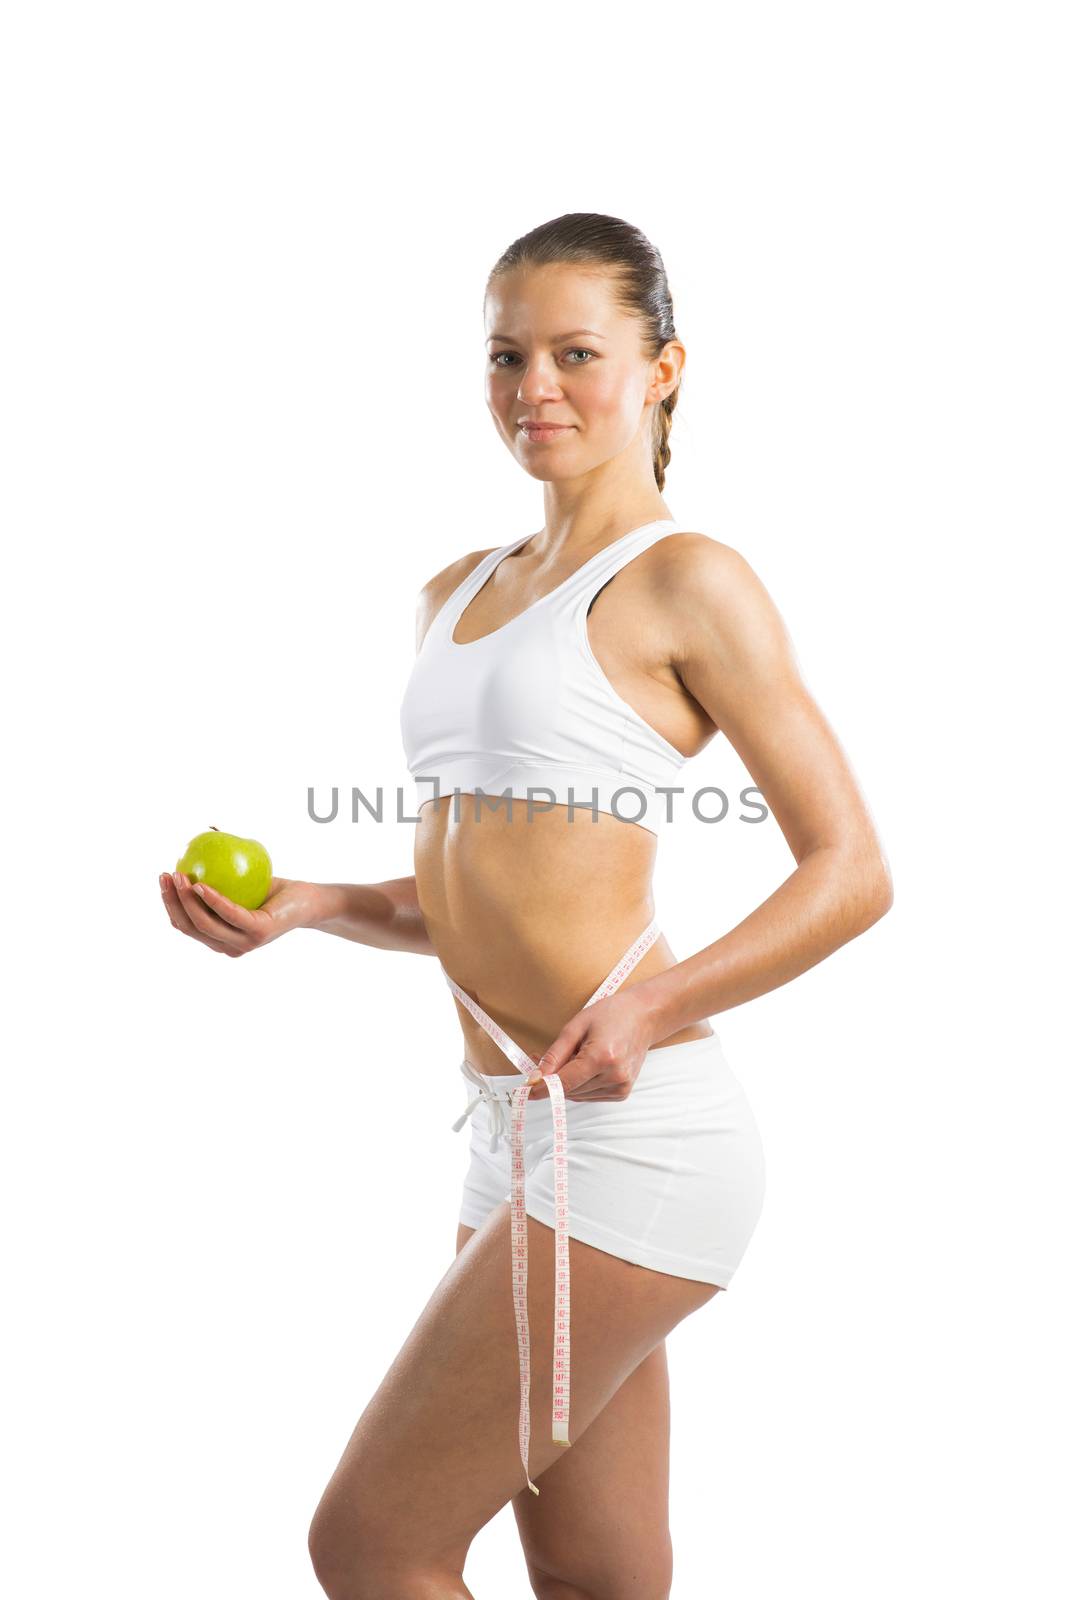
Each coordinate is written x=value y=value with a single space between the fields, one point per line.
x=537 y=383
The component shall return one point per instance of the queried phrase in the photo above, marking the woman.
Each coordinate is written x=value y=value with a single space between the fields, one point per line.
x=561 y=682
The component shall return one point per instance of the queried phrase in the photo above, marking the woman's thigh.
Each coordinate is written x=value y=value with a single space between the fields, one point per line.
x=435 y=1454
x=600 y=1523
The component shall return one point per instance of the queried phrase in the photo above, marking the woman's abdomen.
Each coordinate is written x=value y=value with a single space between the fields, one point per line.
x=529 y=916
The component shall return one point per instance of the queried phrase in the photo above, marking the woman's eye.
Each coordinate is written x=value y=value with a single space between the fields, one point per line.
x=497 y=360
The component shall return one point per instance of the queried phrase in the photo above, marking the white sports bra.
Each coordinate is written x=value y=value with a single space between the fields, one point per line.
x=527 y=710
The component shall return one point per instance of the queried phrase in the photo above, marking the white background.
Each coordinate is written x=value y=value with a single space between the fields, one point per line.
x=245 y=254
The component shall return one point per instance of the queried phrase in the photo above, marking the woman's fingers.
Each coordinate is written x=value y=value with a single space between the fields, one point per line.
x=189 y=915
x=227 y=910
x=172 y=905
x=179 y=916
x=206 y=921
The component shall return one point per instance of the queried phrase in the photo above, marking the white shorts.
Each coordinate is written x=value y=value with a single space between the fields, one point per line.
x=671 y=1178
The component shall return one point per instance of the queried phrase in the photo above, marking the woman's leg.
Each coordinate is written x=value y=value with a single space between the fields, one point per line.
x=599 y=1528
x=435 y=1454
x=600 y=1524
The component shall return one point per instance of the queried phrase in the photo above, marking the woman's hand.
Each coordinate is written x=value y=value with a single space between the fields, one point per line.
x=209 y=916
x=599 y=1053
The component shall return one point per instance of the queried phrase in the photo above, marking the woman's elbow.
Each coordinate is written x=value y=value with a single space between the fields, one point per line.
x=874 y=888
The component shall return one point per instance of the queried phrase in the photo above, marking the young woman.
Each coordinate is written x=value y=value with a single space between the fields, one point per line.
x=561 y=682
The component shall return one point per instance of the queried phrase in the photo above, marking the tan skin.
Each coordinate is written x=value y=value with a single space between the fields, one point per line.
x=528 y=914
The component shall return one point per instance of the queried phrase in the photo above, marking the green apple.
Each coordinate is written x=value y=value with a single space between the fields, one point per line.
x=239 y=868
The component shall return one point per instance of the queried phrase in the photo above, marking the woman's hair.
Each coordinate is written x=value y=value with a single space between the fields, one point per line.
x=589 y=239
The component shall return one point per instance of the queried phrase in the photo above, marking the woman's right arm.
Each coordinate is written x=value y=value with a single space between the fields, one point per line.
x=385 y=915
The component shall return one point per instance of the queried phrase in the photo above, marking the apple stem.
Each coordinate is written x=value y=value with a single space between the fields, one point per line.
x=213 y=829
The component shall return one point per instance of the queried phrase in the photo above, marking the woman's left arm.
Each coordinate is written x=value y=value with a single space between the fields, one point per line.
x=736 y=658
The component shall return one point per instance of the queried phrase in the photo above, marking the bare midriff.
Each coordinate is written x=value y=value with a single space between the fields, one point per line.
x=528 y=913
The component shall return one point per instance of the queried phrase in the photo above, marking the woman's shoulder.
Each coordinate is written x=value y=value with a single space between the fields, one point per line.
x=689 y=549
x=447 y=579
x=701 y=587
x=690 y=560
x=714 y=605
x=436 y=590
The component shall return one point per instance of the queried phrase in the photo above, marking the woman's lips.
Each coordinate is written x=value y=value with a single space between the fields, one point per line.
x=549 y=431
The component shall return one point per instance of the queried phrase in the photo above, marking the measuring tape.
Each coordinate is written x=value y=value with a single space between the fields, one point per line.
x=562 y=1311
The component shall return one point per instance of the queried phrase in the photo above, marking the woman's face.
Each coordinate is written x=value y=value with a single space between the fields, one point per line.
x=559 y=350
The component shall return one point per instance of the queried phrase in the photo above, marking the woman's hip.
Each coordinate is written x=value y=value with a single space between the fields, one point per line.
x=672 y=1177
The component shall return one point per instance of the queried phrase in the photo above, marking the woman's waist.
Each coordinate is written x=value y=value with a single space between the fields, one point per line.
x=531 y=977
x=540 y=916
